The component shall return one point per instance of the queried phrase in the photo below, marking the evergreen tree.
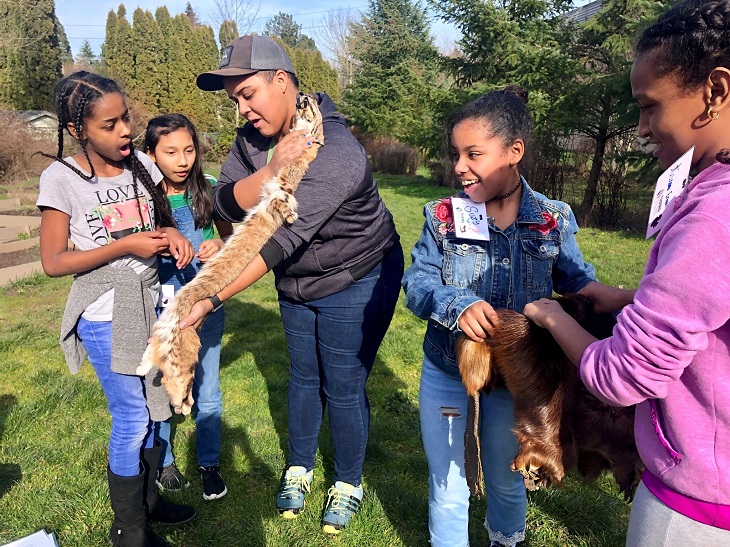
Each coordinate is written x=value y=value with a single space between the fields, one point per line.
x=148 y=60
x=86 y=58
x=192 y=16
x=313 y=72
x=283 y=26
x=30 y=59
x=395 y=81
x=122 y=69
x=600 y=105
x=108 y=48
x=227 y=33
x=63 y=45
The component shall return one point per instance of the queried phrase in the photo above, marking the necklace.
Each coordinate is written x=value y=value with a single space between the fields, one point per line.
x=500 y=197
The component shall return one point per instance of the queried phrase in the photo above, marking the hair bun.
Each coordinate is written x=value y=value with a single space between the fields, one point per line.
x=517 y=91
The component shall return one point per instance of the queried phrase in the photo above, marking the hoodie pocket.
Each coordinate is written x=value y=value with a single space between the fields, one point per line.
x=655 y=412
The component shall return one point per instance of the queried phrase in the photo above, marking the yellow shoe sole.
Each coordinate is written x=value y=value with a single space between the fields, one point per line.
x=329 y=529
x=290 y=515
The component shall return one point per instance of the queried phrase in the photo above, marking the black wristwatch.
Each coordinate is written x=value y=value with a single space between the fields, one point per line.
x=217 y=304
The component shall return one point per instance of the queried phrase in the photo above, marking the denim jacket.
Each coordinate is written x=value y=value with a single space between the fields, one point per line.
x=536 y=255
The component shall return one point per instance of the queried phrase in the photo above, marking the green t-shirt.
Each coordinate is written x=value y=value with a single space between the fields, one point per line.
x=178 y=200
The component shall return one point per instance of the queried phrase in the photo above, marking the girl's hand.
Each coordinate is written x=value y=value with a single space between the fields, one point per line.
x=197 y=314
x=288 y=149
x=180 y=247
x=145 y=244
x=478 y=321
x=607 y=299
x=544 y=312
x=208 y=249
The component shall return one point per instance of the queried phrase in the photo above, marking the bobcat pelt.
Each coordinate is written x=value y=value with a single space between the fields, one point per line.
x=559 y=424
x=175 y=351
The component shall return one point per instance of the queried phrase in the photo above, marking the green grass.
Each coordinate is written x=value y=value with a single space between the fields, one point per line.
x=54 y=427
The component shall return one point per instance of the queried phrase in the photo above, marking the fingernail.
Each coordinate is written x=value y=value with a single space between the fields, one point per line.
x=183 y=324
x=309 y=143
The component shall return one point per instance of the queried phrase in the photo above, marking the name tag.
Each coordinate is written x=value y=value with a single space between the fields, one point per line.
x=167 y=295
x=470 y=219
x=669 y=186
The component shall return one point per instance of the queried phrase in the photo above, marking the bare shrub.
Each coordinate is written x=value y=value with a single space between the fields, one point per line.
x=18 y=145
x=392 y=157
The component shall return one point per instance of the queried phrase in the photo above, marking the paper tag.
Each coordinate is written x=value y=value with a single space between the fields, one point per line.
x=671 y=183
x=470 y=219
x=167 y=295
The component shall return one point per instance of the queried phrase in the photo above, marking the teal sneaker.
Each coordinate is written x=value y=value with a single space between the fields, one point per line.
x=343 y=501
x=294 y=486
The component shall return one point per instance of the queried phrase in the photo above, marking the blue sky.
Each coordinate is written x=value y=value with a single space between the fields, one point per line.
x=89 y=22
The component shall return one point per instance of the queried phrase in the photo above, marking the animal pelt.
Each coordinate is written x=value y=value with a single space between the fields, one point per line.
x=559 y=424
x=175 y=351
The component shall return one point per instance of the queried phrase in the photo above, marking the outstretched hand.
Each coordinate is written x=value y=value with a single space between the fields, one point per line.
x=478 y=321
x=197 y=314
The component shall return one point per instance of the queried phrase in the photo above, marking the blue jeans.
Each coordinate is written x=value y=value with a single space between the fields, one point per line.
x=443 y=441
x=125 y=395
x=207 y=395
x=332 y=345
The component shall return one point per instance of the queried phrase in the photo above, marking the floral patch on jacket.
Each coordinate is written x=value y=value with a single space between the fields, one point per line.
x=443 y=212
x=551 y=222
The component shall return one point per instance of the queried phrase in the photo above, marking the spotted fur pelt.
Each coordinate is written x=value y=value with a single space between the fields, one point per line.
x=558 y=423
x=175 y=351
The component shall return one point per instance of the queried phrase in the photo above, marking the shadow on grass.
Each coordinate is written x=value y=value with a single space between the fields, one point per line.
x=10 y=473
x=242 y=511
x=395 y=471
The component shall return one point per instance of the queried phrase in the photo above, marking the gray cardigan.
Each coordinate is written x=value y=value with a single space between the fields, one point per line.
x=133 y=313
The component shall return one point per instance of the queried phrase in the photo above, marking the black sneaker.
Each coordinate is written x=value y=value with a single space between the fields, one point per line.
x=169 y=478
x=213 y=485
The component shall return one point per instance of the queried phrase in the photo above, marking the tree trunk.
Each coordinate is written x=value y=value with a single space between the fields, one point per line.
x=592 y=185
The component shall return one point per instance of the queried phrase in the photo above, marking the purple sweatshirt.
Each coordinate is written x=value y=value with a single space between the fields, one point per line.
x=670 y=351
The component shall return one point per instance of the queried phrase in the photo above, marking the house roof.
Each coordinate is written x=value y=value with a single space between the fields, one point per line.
x=583 y=13
x=33 y=115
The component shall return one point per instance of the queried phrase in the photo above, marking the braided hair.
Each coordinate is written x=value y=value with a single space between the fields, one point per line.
x=197 y=188
x=75 y=98
x=689 y=41
x=504 y=113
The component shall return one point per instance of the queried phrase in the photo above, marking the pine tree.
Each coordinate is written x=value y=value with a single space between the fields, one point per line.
x=283 y=26
x=396 y=75
x=86 y=59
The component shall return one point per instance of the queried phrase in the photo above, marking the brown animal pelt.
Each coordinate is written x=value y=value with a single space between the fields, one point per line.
x=558 y=423
x=174 y=350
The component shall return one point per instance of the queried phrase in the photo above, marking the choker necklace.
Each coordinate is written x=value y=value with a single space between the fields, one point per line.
x=500 y=197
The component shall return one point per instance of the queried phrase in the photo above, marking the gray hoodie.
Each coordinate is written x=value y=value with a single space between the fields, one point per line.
x=343 y=229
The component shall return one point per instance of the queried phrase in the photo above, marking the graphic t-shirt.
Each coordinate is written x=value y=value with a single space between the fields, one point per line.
x=102 y=210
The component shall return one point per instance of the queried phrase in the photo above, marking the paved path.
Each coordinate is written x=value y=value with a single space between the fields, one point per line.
x=18 y=223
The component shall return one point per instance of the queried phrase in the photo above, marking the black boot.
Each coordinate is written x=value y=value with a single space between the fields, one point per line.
x=159 y=509
x=130 y=526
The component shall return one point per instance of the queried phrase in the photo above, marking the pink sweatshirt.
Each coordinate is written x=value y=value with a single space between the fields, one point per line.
x=670 y=351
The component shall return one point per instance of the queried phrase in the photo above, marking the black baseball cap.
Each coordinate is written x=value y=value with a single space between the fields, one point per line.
x=246 y=55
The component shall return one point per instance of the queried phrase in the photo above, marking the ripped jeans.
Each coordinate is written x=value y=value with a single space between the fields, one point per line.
x=443 y=406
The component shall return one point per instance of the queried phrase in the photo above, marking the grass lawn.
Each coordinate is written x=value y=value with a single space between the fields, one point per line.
x=54 y=427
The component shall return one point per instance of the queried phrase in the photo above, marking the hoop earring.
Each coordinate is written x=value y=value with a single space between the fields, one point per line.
x=709 y=114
